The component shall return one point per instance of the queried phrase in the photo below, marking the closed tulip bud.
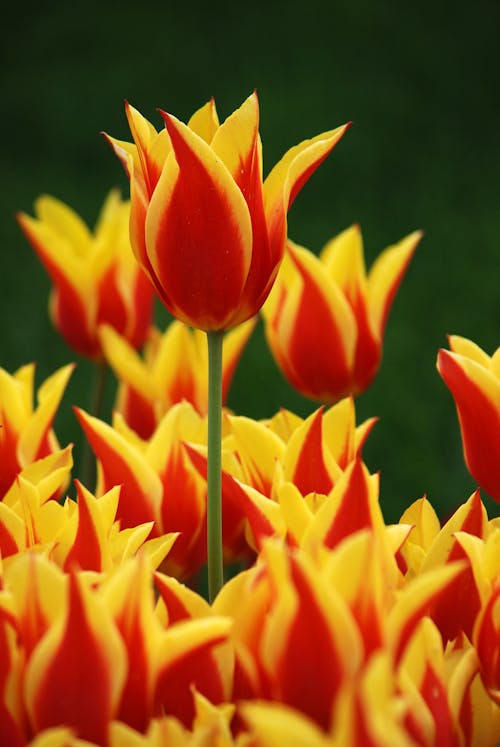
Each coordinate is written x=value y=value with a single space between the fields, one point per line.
x=207 y=229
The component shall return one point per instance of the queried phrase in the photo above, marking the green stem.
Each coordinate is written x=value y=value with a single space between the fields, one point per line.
x=214 y=481
x=87 y=471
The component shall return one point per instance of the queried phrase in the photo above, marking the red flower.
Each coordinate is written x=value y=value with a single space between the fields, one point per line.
x=204 y=226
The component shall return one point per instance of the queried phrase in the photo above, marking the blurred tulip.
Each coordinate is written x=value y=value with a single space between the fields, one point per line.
x=96 y=279
x=174 y=368
x=76 y=673
x=206 y=229
x=290 y=620
x=325 y=318
x=484 y=555
x=473 y=378
x=26 y=434
x=87 y=652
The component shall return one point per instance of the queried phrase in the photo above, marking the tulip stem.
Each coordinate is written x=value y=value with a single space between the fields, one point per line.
x=214 y=479
x=87 y=472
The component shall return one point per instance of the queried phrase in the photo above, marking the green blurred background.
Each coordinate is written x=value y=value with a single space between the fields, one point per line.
x=420 y=82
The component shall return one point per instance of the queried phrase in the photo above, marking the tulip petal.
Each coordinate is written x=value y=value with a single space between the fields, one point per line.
x=33 y=441
x=309 y=620
x=344 y=261
x=469 y=349
x=76 y=673
x=385 y=277
x=314 y=332
x=237 y=142
x=144 y=135
x=205 y=121
x=476 y=392
x=290 y=174
x=413 y=603
x=72 y=305
x=183 y=661
x=306 y=463
x=259 y=449
x=274 y=724
x=122 y=464
x=351 y=506
x=90 y=550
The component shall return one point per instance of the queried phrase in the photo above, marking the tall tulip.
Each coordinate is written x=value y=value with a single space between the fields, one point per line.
x=473 y=378
x=204 y=226
x=211 y=235
x=325 y=318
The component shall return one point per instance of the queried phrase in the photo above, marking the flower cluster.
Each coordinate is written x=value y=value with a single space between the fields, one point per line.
x=333 y=628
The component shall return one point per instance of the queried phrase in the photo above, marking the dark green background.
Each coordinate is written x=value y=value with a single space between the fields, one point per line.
x=420 y=82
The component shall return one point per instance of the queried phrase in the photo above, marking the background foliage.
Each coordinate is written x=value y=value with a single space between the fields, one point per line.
x=419 y=81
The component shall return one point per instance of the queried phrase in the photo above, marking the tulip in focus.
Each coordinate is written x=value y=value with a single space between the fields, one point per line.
x=204 y=226
x=325 y=317
x=96 y=279
x=473 y=378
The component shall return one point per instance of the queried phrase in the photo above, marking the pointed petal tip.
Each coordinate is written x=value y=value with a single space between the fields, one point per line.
x=443 y=356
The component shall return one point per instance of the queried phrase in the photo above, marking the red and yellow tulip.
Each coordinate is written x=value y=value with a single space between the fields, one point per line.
x=26 y=435
x=277 y=473
x=325 y=318
x=96 y=279
x=204 y=226
x=87 y=654
x=159 y=485
x=473 y=378
x=174 y=367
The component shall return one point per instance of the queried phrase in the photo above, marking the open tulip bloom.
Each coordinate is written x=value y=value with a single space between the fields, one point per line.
x=333 y=628
x=325 y=318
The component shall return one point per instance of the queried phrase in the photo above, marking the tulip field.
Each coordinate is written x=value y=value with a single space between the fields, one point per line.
x=201 y=578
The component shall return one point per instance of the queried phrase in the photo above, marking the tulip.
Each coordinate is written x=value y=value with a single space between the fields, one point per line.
x=96 y=279
x=26 y=435
x=473 y=378
x=442 y=713
x=204 y=226
x=158 y=483
x=76 y=673
x=484 y=557
x=211 y=235
x=325 y=318
x=174 y=367
x=277 y=473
